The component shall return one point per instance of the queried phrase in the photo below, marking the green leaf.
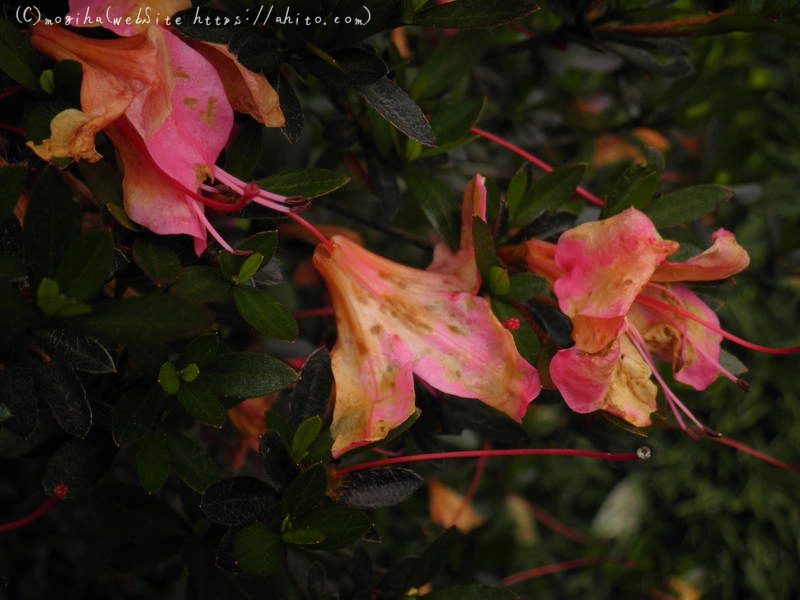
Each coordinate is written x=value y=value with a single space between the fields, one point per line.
x=434 y=557
x=550 y=192
x=86 y=265
x=152 y=461
x=12 y=180
x=395 y=105
x=244 y=152
x=155 y=258
x=516 y=188
x=636 y=186
x=53 y=303
x=200 y=402
x=305 y=491
x=78 y=464
x=312 y=391
x=436 y=201
x=451 y=124
x=687 y=204
x=290 y=106
x=258 y=550
x=19 y=395
x=304 y=436
x=238 y=500
x=474 y=14
x=17 y=58
x=499 y=281
x=249 y=267
x=66 y=396
x=105 y=182
x=146 y=319
x=52 y=221
x=341 y=525
x=307 y=537
x=241 y=375
x=450 y=62
x=134 y=414
x=353 y=66
x=191 y=463
x=378 y=487
x=525 y=286
x=189 y=373
x=264 y=313
x=264 y=242
x=526 y=340
x=76 y=351
x=309 y=183
x=202 y=284
x=168 y=378
x=201 y=350
x=556 y=324
x=485 y=254
x=472 y=592
x=659 y=58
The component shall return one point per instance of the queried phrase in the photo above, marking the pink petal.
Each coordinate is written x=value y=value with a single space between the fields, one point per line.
x=112 y=13
x=723 y=259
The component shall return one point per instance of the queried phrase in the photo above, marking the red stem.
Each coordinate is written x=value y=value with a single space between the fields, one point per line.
x=582 y=192
x=489 y=453
x=726 y=441
x=473 y=487
x=556 y=567
x=59 y=492
x=551 y=522
x=729 y=336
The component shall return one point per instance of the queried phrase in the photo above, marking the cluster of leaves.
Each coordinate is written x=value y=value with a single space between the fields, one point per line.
x=121 y=351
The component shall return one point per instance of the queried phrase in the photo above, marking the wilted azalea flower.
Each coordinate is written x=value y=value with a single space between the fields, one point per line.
x=613 y=279
x=164 y=107
x=394 y=322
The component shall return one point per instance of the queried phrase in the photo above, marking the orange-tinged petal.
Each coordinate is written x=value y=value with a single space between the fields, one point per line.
x=444 y=504
x=723 y=259
x=72 y=134
x=111 y=14
x=248 y=92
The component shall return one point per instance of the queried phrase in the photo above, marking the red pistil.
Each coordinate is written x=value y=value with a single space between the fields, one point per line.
x=728 y=336
x=562 y=566
x=10 y=91
x=59 y=492
x=512 y=323
x=13 y=129
x=314 y=231
x=551 y=522
x=638 y=455
x=582 y=192
x=473 y=487
x=726 y=441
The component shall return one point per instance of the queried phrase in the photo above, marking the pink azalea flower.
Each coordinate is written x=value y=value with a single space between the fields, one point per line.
x=612 y=279
x=394 y=322
x=164 y=107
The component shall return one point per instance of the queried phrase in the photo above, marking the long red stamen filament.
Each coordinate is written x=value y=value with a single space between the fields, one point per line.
x=60 y=491
x=472 y=489
x=491 y=453
x=728 y=336
x=13 y=129
x=582 y=192
x=313 y=230
x=10 y=91
x=315 y=312
x=554 y=524
x=562 y=566
x=726 y=441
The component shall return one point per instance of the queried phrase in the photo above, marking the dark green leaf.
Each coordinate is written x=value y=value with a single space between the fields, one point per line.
x=451 y=125
x=155 y=258
x=203 y=284
x=556 y=324
x=434 y=557
x=291 y=107
x=353 y=66
x=201 y=350
x=78 y=464
x=134 y=414
x=278 y=465
x=52 y=221
x=277 y=423
x=472 y=592
x=64 y=393
x=310 y=183
x=395 y=105
x=341 y=525
x=498 y=281
x=652 y=58
x=17 y=58
x=474 y=14
x=450 y=62
x=374 y=488
x=134 y=515
x=687 y=204
x=200 y=402
x=488 y=422
x=12 y=180
x=550 y=192
x=19 y=395
x=525 y=286
x=76 y=351
x=145 y=319
x=482 y=240
x=304 y=436
x=264 y=313
x=264 y=242
x=635 y=187
x=516 y=188
x=191 y=463
x=436 y=201
x=312 y=391
x=152 y=461
x=86 y=265
x=105 y=182
x=306 y=491
x=526 y=340
x=306 y=537
x=238 y=500
x=545 y=226
x=244 y=152
x=258 y=550
x=241 y=375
